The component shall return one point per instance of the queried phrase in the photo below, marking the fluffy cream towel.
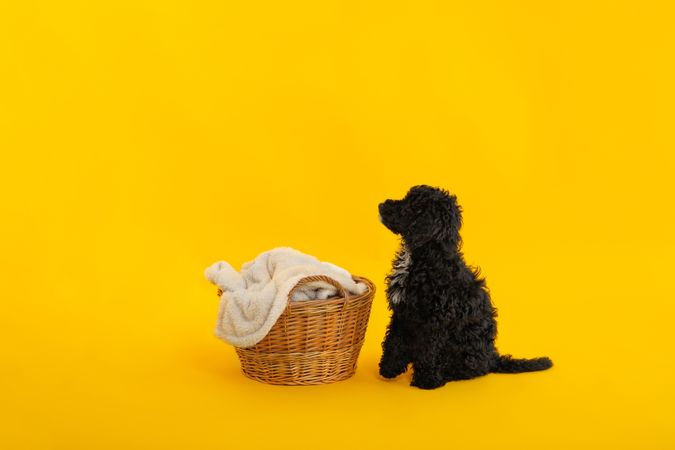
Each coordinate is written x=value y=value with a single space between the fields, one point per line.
x=253 y=300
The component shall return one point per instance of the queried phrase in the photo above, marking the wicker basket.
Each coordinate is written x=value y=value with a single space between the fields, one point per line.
x=313 y=341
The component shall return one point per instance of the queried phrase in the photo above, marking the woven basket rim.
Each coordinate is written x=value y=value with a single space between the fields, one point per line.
x=305 y=304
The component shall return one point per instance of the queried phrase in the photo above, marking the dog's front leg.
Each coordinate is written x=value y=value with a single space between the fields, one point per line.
x=428 y=370
x=427 y=376
x=395 y=357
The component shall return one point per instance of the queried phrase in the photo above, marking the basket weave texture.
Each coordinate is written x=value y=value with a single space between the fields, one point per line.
x=313 y=341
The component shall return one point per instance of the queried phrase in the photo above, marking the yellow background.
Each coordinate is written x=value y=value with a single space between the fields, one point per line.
x=143 y=140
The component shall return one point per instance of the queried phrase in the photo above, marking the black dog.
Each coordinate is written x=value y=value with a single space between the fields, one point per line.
x=443 y=321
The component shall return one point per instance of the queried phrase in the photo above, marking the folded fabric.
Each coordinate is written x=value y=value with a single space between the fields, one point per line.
x=253 y=300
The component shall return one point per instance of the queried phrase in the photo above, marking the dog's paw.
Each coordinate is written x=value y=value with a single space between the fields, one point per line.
x=427 y=382
x=389 y=372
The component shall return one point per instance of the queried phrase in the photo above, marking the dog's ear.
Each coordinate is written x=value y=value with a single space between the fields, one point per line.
x=439 y=221
x=420 y=230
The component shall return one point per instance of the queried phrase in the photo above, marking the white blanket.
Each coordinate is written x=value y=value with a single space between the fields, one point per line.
x=253 y=300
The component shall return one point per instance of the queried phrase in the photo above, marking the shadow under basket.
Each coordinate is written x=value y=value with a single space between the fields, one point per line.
x=313 y=341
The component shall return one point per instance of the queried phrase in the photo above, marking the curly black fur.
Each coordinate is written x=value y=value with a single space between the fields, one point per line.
x=443 y=322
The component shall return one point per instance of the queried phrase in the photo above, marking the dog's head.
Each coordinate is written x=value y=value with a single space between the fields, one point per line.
x=424 y=214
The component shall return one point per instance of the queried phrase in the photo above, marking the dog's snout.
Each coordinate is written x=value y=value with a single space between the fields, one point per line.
x=388 y=210
x=386 y=204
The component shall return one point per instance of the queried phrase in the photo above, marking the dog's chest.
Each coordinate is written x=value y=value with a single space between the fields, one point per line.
x=398 y=276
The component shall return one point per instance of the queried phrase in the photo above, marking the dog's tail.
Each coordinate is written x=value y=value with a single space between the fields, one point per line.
x=507 y=364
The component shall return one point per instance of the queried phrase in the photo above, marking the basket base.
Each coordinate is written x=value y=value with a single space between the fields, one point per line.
x=300 y=369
